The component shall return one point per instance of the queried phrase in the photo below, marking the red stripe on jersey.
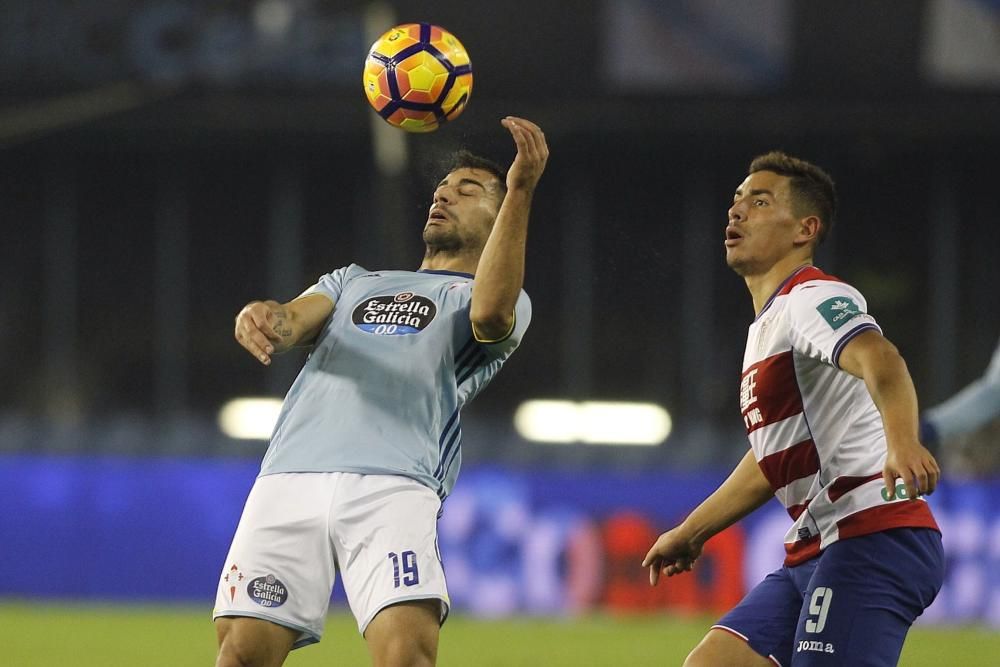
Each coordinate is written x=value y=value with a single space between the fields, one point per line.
x=804 y=275
x=795 y=511
x=906 y=514
x=788 y=465
x=769 y=392
x=801 y=551
x=842 y=485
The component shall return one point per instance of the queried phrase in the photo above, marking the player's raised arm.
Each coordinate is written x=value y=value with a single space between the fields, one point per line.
x=676 y=550
x=500 y=274
x=268 y=327
x=875 y=360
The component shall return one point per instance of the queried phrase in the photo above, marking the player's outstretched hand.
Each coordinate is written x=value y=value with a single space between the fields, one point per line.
x=671 y=554
x=532 y=154
x=255 y=329
x=912 y=463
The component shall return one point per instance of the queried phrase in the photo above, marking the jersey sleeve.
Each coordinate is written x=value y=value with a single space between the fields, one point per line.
x=825 y=317
x=331 y=285
x=503 y=347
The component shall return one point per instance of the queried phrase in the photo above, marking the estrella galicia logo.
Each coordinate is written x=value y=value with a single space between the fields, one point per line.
x=394 y=315
x=838 y=311
x=267 y=591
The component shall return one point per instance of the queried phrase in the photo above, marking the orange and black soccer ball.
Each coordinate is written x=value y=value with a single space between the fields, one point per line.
x=418 y=76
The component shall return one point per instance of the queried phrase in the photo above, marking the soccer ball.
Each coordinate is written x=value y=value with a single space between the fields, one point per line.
x=418 y=76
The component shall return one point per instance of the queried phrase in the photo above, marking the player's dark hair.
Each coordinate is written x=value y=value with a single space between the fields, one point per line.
x=465 y=159
x=813 y=191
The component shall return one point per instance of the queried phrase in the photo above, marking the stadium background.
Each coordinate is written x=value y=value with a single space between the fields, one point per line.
x=163 y=162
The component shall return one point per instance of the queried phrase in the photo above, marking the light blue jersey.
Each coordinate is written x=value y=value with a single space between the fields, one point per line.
x=383 y=388
x=969 y=409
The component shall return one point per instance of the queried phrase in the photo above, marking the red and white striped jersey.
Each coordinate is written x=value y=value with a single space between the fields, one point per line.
x=813 y=427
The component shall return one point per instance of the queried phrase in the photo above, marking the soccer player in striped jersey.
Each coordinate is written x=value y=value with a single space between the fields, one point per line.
x=831 y=415
x=368 y=441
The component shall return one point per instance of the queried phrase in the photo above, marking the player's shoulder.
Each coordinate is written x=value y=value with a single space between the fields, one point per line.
x=818 y=295
x=812 y=285
x=348 y=272
x=357 y=274
x=356 y=270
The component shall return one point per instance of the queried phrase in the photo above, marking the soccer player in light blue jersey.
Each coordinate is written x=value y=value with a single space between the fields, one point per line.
x=368 y=442
x=971 y=408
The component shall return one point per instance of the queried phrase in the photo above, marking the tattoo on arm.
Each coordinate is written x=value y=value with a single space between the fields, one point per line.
x=281 y=327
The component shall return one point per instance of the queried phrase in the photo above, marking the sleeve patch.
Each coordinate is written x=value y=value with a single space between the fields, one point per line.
x=838 y=311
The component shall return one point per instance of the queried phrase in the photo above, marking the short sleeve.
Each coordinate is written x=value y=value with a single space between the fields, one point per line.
x=502 y=348
x=331 y=285
x=825 y=317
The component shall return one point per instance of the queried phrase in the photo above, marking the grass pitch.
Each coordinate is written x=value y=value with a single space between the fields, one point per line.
x=46 y=635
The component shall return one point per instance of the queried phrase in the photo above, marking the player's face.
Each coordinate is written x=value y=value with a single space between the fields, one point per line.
x=762 y=228
x=465 y=205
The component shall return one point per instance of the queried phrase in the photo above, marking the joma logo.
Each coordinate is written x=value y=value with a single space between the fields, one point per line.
x=814 y=646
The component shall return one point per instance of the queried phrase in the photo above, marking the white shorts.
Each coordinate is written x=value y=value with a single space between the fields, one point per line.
x=298 y=529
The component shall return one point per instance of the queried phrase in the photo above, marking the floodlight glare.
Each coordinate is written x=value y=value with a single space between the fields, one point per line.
x=592 y=422
x=249 y=418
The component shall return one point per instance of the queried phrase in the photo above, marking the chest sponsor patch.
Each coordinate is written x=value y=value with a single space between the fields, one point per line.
x=394 y=314
x=838 y=311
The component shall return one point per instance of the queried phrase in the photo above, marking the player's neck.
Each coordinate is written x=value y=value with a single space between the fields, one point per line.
x=763 y=285
x=461 y=262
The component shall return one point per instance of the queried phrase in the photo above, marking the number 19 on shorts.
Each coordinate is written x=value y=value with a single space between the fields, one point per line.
x=404 y=569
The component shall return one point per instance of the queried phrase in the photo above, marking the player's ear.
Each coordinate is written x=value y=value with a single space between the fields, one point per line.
x=809 y=230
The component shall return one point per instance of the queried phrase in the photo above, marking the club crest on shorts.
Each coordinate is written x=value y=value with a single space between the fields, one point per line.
x=394 y=314
x=232 y=577
x=267 y=591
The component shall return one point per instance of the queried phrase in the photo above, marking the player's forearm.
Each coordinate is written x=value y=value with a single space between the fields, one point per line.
x=297 y=322
x=744 y=490
x=500 y=274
